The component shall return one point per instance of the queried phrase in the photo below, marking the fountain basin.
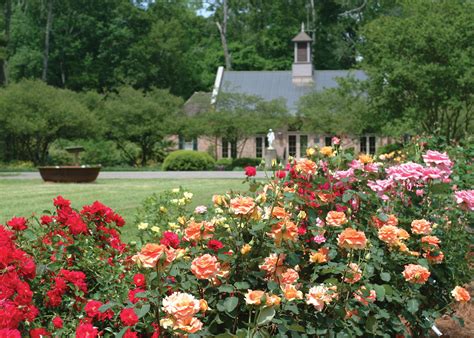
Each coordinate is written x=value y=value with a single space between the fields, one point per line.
x=69 y=174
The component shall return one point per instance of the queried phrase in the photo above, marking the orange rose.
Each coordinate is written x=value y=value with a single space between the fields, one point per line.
x=364 y=158
x=421 y=227
x=272 y=300
x=430 y=240
x=219 y=200
x=336 y=218
x=354 y=274
x=290 y=276
x=365 y=297
x=196 y=231
x=326 y=151
x=417 y=274
x=352 y=239
x=152 y=253
x=242 y=205
x=326 y=198
x=461 y=294
x=305 y=166
x=434 y=257
x=272 y=262
x=254 y=297
x=280 y=213
x=205 y=266
x=389 y=234
x=203 y=305
x=321 y=256
x=284 y=230
x=291 y=293
x=392 y=220
x=189 y=325
x=181 y=305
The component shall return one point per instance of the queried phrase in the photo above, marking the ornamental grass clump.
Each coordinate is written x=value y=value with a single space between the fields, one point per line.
x=330 y=245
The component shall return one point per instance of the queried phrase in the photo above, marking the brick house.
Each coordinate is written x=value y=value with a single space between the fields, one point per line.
x=290 y=85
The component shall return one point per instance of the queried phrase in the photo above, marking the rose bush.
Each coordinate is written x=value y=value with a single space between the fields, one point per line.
x=333 y=246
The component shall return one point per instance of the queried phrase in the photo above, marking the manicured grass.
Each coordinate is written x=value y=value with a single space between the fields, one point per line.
x=31 y=197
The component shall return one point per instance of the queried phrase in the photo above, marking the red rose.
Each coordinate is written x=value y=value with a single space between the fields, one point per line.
x=170 y=239
x=130 y=334
x=86 y=330
x=132 y=297
x=280 y=174
x=17 y=223
x=39 y=332
x=92 y=308
x=57 y=322
x=128 y=317
x=139 y=280
x=215 y=245
x=250 y=171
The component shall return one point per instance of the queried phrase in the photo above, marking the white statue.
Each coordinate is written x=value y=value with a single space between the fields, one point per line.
x=271 y=138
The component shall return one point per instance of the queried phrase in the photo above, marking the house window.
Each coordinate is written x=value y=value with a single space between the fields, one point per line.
x=363 y=144
x=316 y=141
x=292 y=145
x=187 y=143
x=303 y=145
x=368 y=145
x=372 y=145
x=225 y=148
x=226 y=144
x=302 y=53
x=259 y=147
x=328 y=141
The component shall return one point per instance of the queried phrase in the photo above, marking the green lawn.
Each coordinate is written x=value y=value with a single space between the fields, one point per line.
x=28 y=197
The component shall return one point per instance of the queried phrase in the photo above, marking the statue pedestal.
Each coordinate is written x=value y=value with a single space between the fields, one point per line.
x=270 y=156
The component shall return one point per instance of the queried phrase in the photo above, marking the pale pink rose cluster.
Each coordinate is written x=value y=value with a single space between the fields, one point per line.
x=321 y=295
x=345 y=174
x=368 y=167
x=381 y=187
x=181 y=309
x=465 y=198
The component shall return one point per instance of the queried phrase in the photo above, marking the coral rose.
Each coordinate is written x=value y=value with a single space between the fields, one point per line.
x=151 y=253
x=205 y=266
x=391 y=220
x=181 y=305
x=430 y=240
x=354 y=274
x=291 y=293
x=421 y=227
x=242 y=205
x=306 y=167
x=336 y=218
x=391 y=234
x=352 y=239
x=189 y=325
x=272 y=300
x=364 y=296
x=290 y=276
x=417 y=274
x=279 y=212
x=321 y=256
x=320 y=295
x=254 y=297
x=284 y=230
x=196 y=231
x=272 y=262
x=461 y=294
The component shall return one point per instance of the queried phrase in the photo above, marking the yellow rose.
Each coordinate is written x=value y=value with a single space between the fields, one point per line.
x=327 y=151
x=142 y=226
x=310 y=151
x=245 y=249
x=156 y=229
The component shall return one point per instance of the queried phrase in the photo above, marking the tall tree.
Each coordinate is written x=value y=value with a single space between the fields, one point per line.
x=49 y=23
x=421 y=69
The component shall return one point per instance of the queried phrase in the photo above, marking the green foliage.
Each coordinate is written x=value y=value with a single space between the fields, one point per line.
x=243 y=162
x=420 y=66
x=144 y=119
x=33 y=115
x=336 y=111
x=188 y=160
x=224 y=164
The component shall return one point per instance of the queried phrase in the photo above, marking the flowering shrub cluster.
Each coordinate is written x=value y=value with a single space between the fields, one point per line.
x=332 y=245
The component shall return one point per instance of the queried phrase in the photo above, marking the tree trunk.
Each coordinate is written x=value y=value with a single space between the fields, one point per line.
x=49 y=22
x=7 y=11
x=223 y=32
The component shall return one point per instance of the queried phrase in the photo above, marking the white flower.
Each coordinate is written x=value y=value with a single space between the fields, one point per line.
x=200 y=209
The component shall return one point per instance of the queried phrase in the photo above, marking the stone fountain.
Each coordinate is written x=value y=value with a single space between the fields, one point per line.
x=74 y=173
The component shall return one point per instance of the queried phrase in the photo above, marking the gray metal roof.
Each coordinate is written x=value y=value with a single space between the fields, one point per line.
x=302 y=37
x=271 y=85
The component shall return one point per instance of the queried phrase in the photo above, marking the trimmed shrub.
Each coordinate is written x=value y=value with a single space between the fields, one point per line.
x=224 y=164
x=188 y=160
x=246 y=161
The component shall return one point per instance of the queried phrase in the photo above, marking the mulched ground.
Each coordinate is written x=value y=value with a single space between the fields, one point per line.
x=451 y=328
